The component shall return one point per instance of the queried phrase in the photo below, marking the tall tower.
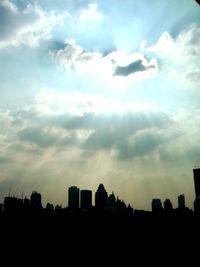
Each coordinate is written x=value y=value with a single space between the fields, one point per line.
x=73 y=197
x=196 y=173
x=112 y=200
x=86 y=199
x=101 y=197
x=156 y=205
x=181 y=201
x=36 y=200
x=168 y=205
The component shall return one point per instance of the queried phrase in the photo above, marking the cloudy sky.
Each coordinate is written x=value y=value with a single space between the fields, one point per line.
x=100 y=92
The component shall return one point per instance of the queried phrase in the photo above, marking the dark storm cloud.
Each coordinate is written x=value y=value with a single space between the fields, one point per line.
x=141 y=145
x=102 y=139
x=133 y=67
x=104 y=131
x=115 y=133
x=38 y=136
x=118 y=138
x=128 y=122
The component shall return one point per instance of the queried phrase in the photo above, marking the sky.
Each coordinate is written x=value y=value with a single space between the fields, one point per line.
x=99 y=92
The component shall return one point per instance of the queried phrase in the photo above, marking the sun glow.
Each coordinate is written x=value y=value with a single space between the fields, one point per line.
x=54 y=102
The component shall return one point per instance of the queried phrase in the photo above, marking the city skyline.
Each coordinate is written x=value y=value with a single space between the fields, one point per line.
x=100 y=92
x=85 y=199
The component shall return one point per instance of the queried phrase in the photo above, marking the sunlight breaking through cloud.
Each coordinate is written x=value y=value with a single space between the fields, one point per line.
x=93 y=92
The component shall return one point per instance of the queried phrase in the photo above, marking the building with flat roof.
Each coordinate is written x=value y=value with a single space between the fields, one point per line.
x=196 y=174
x=86 y=199
x=73 y=197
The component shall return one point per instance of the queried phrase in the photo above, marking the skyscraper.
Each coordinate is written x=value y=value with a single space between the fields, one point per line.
x=168 y=205
x=197 y=205
x=101 y=197
x=73 y=197
x=181 y=201
x=112 y=200
x=36 y=200
x=86 y=199
x=156 y=205
x=196 y=173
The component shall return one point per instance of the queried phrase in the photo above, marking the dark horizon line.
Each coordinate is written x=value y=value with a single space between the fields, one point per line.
x=196 y=174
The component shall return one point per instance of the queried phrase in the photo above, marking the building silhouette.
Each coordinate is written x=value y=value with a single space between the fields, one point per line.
x=73 y=197
x=120 y=204
x=168 y=205
x=58 y=208
x=197 y=205
x=49 y=207
x=181 y=201
x=112 y=200
x=156 y=205
x=36 y=200
x=101 y=197
x=10 y=204
x=27 y=203
x=196 y=174
x=14 y=205
x=129 y=210
x=83 y=199
x=86 y=199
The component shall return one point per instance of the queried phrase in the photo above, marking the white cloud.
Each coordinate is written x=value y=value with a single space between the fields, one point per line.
x=181 y=49
x=82 y=62
x=51 y=101
x=27 y=26
x=179 y=57
x=190 y=38
x=165 y=45
x=54 y=102
x=91 y=15
x=64 y=137
x=56 y=145
x=103 y=68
